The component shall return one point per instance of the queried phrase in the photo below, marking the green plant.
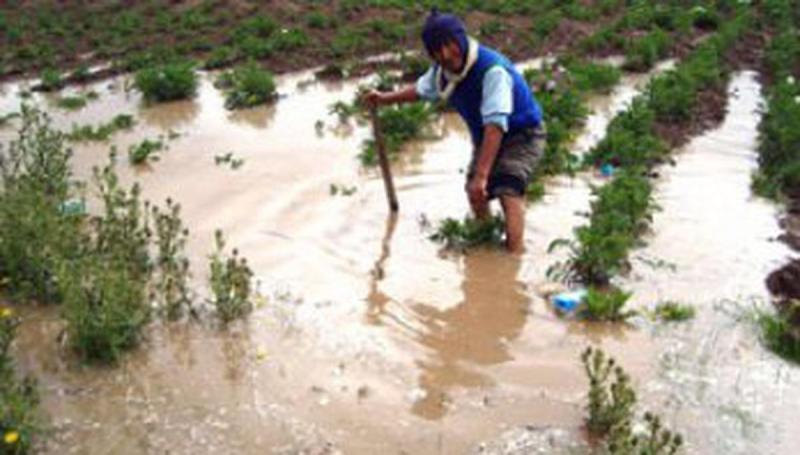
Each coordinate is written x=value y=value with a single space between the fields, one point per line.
x=469 y=233
x=71 y=103
x=228 y=158
x=656 y=440
x=230 y=280
x=672 y=96
x=288 y=39
x=605 y=305
x=674 y=311
x=50 y=80
x=220 y=56
x=171 y=81
x=611 y=402
x=781 y=331
x=247 y=86
x=101 y=132
x=630 y=139
x=399 y=124
x=36 y=180
x=171 y=262
x=593 y=77
x=105 y=288
x=18 y=398
x=145 y=151
x=642 y=53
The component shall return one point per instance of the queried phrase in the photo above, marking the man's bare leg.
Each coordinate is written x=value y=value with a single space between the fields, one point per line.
x=514 y=213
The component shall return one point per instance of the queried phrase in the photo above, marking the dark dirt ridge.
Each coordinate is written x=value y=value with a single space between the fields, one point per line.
x=514 y=38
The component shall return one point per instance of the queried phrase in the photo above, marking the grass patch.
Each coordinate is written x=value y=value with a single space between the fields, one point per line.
x=399 y=124
x=605 y=305
x=247 y=86
x=469 y=233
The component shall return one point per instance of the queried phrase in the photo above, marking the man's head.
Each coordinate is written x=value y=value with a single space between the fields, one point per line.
x=445 y=40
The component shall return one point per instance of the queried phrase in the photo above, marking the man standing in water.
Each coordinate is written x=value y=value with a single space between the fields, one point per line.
x=504 y=120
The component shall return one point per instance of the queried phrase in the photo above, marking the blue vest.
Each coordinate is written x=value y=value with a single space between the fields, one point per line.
x=468 y=95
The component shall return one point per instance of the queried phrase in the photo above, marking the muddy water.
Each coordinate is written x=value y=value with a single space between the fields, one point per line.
x=368 y=338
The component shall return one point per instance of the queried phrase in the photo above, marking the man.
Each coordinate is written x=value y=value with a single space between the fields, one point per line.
x=504 y=120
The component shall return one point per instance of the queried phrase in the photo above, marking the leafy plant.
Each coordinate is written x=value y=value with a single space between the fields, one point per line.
x=399 y=124
x=228 y=158
x=605 y=305
x=171 y=262
x=50 y=80
x=781 y=330
x=171 y=81
x=469 y=233
x=230 y=280
x=642 y=53
x=247 y=86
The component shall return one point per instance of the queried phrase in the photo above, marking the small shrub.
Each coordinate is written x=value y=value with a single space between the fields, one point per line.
x=605 y=305
x=317 y=19
x=105 y=288
x=672 y=96
x=247 y=86
x=469 y=233
x=674 y=311
x=656 y=440
x=704 y=18
x=545 y=24
x=230 y=280
x=50 y=80
x=593 y=77
x=172 y=264
x=611 y=402
x=172 y=81
x=288 y=39
x=71 y=103
x=229 y=159
x=399 y=124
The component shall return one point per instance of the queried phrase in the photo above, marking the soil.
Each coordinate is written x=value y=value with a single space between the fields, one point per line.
x=785 y=282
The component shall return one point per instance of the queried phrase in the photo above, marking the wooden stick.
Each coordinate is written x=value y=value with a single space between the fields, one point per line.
x=383 y=159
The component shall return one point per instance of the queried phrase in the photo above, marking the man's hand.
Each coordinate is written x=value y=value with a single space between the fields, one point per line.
x=476 y=190
x=373 y=98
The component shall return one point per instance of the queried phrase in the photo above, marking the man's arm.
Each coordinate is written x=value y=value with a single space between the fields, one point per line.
x=406 y=95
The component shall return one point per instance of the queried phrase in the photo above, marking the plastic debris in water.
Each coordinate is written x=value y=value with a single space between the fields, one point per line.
x=607 y=170
x=567 y=302
x=72 y=207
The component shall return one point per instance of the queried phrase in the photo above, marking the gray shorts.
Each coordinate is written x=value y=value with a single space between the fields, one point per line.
x=515 y=163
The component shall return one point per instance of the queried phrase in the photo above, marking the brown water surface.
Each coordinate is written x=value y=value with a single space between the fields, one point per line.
x=369 y=339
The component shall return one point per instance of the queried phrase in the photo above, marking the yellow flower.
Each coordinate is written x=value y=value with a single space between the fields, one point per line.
x=11 y=437
x=6 y=313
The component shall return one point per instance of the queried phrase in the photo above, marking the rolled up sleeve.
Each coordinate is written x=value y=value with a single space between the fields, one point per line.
x=426 y=86
x=497 y=102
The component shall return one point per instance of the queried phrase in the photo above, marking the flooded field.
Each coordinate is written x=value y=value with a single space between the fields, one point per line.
x=370 y=339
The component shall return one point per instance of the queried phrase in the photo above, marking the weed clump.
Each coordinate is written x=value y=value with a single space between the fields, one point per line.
x=399 y=124
x=611 y=409
x=167 y=82
x=171 y=263
x=230 y=279
x=247 y=86
x=145 y=151
x=781 y=330
x=469 y=233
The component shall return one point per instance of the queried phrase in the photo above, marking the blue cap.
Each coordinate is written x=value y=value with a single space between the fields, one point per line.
x=440 y=29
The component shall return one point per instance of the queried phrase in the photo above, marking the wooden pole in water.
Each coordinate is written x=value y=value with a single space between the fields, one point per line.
x=383 y=160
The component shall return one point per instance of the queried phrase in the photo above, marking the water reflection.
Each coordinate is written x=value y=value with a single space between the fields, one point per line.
x=171 y=115
x=257 y=117
x=474 y=333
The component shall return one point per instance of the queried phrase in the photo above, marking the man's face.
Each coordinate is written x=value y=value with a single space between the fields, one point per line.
x=449 y=56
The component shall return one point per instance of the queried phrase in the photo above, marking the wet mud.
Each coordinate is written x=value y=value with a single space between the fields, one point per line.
x=367 y=338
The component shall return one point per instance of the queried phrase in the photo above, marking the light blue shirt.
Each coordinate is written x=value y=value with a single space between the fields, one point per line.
x=497 y=100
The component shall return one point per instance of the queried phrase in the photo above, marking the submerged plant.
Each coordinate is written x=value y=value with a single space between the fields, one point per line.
x=470 y=232
x=674 y=311
x=230 y=279
x=103 y=131
x=145 y=151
